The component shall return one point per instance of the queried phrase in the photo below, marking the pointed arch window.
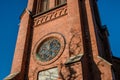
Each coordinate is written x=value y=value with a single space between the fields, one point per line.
x=59 y=2
x=44 y=5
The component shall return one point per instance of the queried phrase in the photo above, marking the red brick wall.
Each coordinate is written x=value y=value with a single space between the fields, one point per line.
x=73 y=24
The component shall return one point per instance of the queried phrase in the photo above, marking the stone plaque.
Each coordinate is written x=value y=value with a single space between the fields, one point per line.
x=50 y=74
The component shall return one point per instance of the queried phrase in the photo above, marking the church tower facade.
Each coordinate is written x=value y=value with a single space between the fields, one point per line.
x=61 y=40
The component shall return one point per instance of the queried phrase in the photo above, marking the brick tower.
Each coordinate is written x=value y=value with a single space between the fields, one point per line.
x=61 y=40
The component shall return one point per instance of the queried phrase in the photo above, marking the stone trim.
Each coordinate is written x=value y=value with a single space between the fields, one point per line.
x=104 y=60
x=74 y=59
x=24 y=11
x=12 y=76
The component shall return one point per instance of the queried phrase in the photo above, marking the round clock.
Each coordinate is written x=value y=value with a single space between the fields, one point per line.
x=48 y=49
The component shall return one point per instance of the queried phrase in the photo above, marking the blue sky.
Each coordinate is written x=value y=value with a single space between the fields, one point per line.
x=10 y=11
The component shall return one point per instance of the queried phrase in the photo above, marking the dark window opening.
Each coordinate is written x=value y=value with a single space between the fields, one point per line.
x=44 y=5
x=59 y=2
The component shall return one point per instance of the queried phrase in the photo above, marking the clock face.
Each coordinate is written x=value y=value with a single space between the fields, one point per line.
x=51 y=74
x=48 y=50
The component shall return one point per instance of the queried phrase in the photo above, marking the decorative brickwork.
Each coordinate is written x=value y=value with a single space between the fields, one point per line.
x=50 y=15
x=73 y=25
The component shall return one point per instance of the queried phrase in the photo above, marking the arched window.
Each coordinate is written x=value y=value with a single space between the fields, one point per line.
x=59 y=2
x=44 y=5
